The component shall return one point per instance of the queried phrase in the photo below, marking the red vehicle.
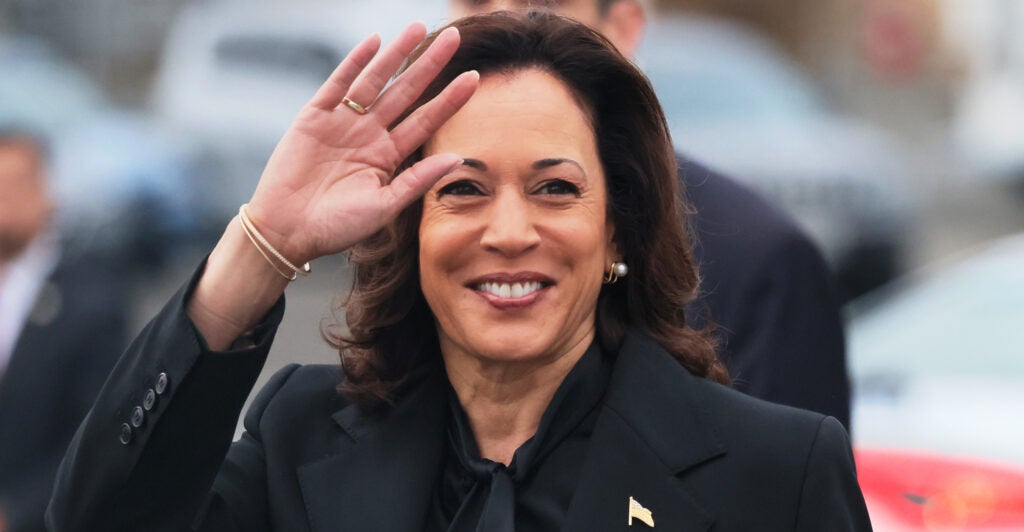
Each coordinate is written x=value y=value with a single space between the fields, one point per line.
x=916 y=490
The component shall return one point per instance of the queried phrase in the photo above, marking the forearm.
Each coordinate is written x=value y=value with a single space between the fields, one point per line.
x=168 y=463
x=235 y=291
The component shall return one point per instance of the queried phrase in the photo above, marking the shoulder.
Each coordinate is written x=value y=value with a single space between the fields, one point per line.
x=794 y=465
x=296 y=398
x=669 y=404
x=300 y=386
x=786 y=448
x=649 y=384
x=778 y=429
x=730 y=211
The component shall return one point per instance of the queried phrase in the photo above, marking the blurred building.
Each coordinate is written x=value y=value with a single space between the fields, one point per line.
x=886 y=60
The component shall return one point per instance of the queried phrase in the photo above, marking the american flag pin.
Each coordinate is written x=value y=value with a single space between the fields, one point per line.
x=638 y=512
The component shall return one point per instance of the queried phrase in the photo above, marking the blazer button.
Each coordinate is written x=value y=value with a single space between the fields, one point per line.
x=150 y=401
x=138 y=417
x=162 y=382
x=126 y=434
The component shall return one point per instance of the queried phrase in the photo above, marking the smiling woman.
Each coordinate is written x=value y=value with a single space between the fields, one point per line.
x=587 y=179
x=504 y=368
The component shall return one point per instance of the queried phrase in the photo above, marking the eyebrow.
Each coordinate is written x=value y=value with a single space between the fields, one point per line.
x=477 y=164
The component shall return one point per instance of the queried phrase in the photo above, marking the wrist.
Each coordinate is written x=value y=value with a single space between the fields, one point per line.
x=292 y=249
x=236 y=290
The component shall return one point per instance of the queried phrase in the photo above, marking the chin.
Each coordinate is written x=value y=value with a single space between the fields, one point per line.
x=510 y=350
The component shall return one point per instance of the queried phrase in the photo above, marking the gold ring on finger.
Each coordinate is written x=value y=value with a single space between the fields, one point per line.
x=354 y=106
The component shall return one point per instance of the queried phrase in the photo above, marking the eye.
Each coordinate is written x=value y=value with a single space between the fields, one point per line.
x=559 y=186
x=460 y=188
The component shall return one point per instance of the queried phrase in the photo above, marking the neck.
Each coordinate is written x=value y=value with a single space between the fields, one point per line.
x=505 y=401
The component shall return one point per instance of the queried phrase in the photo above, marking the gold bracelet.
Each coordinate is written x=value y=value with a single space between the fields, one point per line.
x=245 y=228
x=254 y=235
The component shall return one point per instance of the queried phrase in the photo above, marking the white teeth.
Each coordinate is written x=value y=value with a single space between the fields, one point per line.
x=510 y=290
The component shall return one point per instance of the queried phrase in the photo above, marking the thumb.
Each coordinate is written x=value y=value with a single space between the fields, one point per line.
x=408 y=186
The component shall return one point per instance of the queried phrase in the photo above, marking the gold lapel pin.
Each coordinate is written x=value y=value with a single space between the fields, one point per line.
x=636 y=510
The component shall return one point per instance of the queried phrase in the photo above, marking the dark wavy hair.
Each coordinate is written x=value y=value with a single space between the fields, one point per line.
x=391 y=330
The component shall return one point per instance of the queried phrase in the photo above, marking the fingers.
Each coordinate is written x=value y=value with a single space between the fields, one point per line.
x=372 y=80
x=425 y=121
x=337 y=85
x=404 y=91
x=411 y=184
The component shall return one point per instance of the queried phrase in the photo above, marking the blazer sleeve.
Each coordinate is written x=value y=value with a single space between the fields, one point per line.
x=154 y=472
x=830 y=498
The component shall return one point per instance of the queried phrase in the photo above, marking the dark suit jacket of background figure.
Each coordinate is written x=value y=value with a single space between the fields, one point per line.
x=771 y=295
x=61 y=358
x=700 y=456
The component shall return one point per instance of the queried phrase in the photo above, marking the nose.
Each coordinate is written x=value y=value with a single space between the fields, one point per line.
x=511 y=229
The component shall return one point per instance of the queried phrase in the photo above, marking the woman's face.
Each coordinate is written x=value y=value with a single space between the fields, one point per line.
x=514 y=243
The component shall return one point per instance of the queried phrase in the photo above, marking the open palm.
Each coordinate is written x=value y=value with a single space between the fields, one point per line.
x=328 y=184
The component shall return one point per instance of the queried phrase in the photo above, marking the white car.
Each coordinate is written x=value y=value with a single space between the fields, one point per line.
x=234 y=74
x=937 y=360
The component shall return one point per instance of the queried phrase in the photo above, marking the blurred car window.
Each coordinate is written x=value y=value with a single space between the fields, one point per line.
x=296 y=57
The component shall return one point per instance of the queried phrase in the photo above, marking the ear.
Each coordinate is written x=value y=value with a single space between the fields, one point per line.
x=623 y=24
x=612 y=253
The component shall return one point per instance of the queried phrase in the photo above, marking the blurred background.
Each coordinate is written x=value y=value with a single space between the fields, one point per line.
x=890 y=129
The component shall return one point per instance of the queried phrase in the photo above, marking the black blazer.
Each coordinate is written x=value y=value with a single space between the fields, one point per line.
x=771 y=295
x=698 y=455
x=60 y=360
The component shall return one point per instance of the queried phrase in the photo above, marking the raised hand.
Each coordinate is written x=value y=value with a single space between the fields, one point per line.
x=328 y=184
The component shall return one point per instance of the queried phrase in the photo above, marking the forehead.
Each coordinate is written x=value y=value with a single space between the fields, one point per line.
x=527 y=109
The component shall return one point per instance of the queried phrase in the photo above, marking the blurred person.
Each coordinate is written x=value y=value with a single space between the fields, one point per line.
x=765 y=285
x=517 y=355
x=62 y=324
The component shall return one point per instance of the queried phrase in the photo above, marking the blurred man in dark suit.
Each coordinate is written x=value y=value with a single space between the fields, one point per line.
x=62 y=326
x=765 y=285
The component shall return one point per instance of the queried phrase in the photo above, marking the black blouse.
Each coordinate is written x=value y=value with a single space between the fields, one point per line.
x=535 y=490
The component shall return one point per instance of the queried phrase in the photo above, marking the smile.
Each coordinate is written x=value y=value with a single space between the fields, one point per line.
x=510 y=290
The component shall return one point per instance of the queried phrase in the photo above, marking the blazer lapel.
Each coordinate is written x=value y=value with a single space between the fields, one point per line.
x=394 y=459
x=650 y=432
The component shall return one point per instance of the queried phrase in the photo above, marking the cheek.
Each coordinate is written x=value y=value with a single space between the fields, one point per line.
x=441 y=250
x=584 y=242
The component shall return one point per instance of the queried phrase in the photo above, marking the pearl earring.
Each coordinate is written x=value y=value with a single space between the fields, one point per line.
x=616 y=270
